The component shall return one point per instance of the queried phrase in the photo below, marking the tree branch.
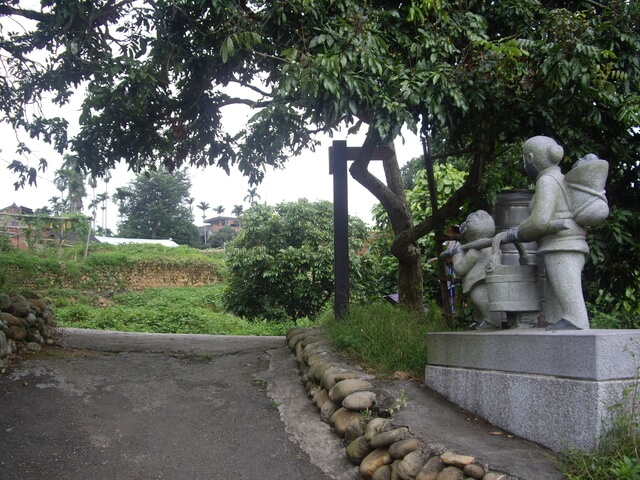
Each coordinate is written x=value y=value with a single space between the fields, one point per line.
x=6 y=11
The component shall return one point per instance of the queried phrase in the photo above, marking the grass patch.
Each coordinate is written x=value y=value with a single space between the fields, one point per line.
x=384 y=338
x=618 y=456
x=619 y=453
x=193 y=310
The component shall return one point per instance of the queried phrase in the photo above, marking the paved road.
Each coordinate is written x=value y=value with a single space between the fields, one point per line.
x=140 y=406
x=122 y=406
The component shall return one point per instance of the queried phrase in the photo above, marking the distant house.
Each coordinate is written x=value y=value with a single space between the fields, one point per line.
x=146 y=241
x=218 y=223
x=215 y=224
x=17 y=222
x=13 y=225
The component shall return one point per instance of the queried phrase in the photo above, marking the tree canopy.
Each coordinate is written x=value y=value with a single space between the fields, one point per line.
x=473 y=77
x=154 y=205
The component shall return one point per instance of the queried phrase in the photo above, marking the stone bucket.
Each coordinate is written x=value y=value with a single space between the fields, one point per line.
x=512 y=288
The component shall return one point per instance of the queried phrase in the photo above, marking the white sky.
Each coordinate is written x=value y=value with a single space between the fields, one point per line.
x=306 y=176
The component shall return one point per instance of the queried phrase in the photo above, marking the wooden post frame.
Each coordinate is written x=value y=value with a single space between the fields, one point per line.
x=339 y=155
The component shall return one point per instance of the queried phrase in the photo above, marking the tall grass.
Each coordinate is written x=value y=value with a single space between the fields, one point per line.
x=194 y=310
x=383 y=337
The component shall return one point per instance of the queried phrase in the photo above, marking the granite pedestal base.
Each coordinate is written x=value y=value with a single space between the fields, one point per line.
x=553 y=388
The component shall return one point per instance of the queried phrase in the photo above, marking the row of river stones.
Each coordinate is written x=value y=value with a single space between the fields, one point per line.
x=25 y=324
x=347 y=401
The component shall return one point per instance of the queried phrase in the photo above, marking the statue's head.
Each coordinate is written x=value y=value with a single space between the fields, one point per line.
x=540 y=153
x=479 y=224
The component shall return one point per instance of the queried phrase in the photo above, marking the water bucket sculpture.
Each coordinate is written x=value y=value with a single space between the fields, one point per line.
x=512 y=288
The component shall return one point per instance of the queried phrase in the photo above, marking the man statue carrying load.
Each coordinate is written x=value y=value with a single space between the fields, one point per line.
x=559 y=210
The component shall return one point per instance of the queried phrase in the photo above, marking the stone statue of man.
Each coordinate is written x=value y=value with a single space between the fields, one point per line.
x=561 y=239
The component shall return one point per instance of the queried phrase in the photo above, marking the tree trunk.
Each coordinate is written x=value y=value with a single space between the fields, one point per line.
x=392 y=198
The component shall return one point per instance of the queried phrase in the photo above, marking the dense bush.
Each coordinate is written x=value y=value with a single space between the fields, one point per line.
x=612 y=273
x=281 y=263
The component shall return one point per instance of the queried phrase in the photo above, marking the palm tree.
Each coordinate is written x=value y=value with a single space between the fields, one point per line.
x=219 y=210
x=71 y=178
x=105 y=179
x=61 y=181
x=237 y=210
x=102 y=198
x=204 y=206
x=252 y=194
x=55 y=205
x=190 y=201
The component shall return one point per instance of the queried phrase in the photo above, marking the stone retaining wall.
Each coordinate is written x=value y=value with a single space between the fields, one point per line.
x=24 y=325
x=141 y=275
x=346 y=399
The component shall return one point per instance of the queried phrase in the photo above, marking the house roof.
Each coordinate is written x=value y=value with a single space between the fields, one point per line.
x=19 y=209
x=121 y=241
x=213 y=219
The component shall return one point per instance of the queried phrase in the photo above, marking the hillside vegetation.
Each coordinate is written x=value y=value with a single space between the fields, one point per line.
x=132 y=288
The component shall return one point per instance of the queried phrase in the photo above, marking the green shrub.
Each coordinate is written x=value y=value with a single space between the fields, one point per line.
x=280 y=266
x=383 y=337
x=193 y=310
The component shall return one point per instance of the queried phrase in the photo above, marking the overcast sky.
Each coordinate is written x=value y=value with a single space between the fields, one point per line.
x=306 y=176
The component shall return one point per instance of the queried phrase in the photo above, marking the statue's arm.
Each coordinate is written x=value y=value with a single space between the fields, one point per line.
x=539 y=222
x=463 y=262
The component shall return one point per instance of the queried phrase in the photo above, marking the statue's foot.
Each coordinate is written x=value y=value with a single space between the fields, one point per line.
x=482 y=326
x=562 y=325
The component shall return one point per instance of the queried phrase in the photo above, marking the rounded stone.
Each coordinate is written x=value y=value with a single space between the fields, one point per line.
x=357 y=450
x=33 y=335
x=344 y=388
x=314 y=349
x=456 y=460
x=309 y=339
x=20 y=307
x=11 y=320
x=353 y=432
x=431 y=469
x=5 y=349
x=385 y=439
x=451 y=473
x=373 y=461
x=410 y=465
x=18 y=333
x=404 y=447
x=359 y=401
x=474 y=471
x=33 y=346
x=5 y=301
x=336 y=374
x=382 y=473
x=495 y=476
x=317 y=357
x=376 y=426
x=328 y=408
x=31 y=319
x=298 y=331
x=316 y=370
x=320 y=398
x=295 y=339
x=342 y=419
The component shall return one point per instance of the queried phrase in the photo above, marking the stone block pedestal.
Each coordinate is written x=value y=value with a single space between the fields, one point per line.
x=553 y=388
